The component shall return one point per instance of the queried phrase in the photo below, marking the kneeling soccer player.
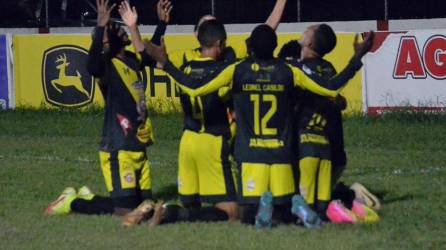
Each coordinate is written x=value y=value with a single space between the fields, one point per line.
x=127 y=130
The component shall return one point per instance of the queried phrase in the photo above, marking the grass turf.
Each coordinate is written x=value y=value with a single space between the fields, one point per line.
x=402 y=157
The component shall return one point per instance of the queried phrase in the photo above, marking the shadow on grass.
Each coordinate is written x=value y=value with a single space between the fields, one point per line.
x=169 y=192
x=405 y=197
x=387 y=198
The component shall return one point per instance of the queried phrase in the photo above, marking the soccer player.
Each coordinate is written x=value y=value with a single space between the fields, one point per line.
x=262 y=89
x=127 y=130
x=204 y=171
x=315 y=147
x=319 y=125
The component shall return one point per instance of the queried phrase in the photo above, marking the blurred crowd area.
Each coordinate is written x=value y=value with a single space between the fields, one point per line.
x=32 y=13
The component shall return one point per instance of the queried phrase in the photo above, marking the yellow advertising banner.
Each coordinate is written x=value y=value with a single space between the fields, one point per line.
x=50 y=71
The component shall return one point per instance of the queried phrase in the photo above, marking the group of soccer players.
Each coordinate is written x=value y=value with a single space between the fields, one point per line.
x=262 y=137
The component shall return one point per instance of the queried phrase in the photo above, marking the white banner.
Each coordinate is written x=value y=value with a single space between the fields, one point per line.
x=406 y=70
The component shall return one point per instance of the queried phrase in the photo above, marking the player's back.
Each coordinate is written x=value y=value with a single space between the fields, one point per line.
x=207 y=113
x=262 y=93
x=310 y=103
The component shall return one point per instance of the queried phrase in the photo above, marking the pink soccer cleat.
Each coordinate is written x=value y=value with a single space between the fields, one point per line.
x=338 y=213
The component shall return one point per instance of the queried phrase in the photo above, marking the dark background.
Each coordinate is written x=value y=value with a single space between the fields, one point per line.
x=22 y=13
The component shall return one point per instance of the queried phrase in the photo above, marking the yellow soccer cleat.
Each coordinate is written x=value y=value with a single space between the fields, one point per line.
x=364 y=213
x=85 y=193
x=62 y=205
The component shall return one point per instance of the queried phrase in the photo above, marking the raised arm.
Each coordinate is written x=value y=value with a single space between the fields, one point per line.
x=96 y=57
x=163 y=9
x=130 y=17
x=337 y=82
x=276 y=15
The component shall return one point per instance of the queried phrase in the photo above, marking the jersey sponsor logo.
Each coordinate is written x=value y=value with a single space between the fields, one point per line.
x=307 y=70
x=125 y=124
x=66 y=81
x=417 y=64
x=255 y=67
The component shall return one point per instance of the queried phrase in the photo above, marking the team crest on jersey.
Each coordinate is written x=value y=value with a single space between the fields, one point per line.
x=130 y=178
x=66 y=81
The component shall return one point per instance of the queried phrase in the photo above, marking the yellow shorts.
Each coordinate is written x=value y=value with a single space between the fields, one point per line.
x=204 y=170
x=257 y=178
x=126 y=173
x=315 y=179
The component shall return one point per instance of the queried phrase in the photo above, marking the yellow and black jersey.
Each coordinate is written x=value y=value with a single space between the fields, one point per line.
x=321 y=116
x=310 y=105
x=121 y=86
x=230 y=54
x=262 y=92
x=263 y=101
x=207 y=113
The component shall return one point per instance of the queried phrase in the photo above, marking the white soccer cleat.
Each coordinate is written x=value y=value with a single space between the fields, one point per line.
x=365 y=196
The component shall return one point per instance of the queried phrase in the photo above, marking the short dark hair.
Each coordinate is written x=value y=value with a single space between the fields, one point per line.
x=211 y=31
x=263 y=41
x=113 y=39
x=324 y=39
x=203 y=19
x=290 y=49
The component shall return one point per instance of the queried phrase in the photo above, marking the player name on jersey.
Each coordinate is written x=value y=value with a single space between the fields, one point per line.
x=263 y=87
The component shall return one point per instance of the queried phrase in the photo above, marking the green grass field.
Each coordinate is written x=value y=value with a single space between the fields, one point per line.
x=402 y=157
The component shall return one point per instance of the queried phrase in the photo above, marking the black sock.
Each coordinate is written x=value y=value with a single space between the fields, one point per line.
x=282 y=214
x=175 y=213
x=97 y=205
x=344 y=193
x=321 y=208
x=248 y=214
x=207 y=214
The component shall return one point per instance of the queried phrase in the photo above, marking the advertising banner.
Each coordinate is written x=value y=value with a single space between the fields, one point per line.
x=406 y=71
x=50 y=71
x=4 y=83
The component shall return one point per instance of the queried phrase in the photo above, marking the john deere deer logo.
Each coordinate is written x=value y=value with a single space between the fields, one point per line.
x=66 y=81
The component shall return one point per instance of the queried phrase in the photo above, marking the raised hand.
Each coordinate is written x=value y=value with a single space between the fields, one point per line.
x=163 y=9
x=128 y=14
x=362 y=48
x=104 y=12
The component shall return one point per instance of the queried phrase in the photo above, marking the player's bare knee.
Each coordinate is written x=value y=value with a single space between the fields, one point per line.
x=230 y=208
